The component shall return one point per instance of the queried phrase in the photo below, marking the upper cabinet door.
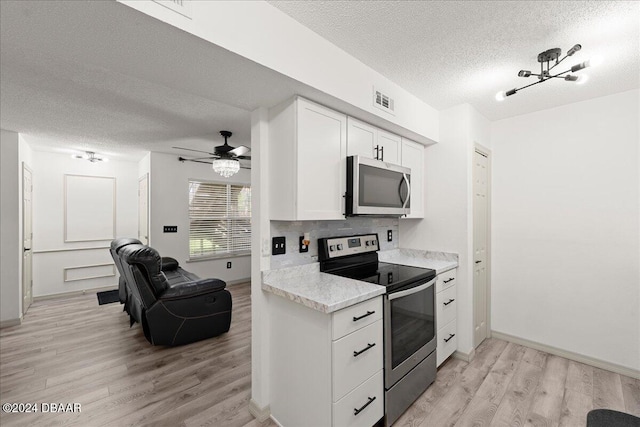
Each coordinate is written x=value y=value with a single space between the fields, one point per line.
x=321 y=165
x=413 y=157
x=361 y=139
x=389 y=147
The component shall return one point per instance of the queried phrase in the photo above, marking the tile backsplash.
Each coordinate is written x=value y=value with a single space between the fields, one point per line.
x=318 y=229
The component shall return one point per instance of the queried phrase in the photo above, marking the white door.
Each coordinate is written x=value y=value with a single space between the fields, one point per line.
x=27 y=237
x=480 y=240
x=361 y=139
x=389 y=147
x=143 y=209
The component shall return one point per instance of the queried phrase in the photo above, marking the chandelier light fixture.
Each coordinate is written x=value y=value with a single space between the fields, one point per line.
x=226 y=167
x=90 y=156
x=547 y=57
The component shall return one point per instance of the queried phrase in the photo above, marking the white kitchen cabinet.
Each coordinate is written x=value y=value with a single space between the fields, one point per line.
x=446 y=313
x=307 y=166
x=326 y=368
x=413 y=158
x=369 y=141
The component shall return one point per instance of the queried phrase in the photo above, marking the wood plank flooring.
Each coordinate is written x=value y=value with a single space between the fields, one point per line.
x=73 y=351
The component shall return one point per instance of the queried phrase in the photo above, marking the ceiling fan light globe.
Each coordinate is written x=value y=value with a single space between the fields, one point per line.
x=226 y=167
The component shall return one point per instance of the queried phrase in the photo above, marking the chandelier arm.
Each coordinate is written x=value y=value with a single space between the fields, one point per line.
x=565 y=57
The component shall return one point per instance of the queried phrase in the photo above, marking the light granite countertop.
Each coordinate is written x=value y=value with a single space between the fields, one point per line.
x=324 y=292
x=306 y=285
x=439 y=261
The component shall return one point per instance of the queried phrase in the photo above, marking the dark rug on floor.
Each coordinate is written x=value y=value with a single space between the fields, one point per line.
x=611 y=418
x=107 y=297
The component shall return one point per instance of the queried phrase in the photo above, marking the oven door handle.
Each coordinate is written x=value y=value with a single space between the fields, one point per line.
x=415 y=290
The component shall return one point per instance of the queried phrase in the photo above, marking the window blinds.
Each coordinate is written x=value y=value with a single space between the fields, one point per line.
x=219 y=219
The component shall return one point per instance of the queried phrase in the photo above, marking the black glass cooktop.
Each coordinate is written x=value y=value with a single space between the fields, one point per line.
x=392 y=276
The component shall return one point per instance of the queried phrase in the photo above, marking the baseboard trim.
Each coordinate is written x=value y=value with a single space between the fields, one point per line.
x=238 y=282
x=11 y=322
x=75 y=293
x=260 y=414
x=467 y=357
x=587 y=360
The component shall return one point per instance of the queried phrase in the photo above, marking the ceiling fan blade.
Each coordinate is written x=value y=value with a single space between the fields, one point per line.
x=239 y=151
x=191 y=149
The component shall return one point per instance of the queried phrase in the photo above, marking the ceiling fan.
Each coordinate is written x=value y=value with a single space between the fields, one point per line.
x=224 y=159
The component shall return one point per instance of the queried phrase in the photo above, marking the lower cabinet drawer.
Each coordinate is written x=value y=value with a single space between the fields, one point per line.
x=363 y=406
x=447 y=342
x=446 y=306
x=355 y=358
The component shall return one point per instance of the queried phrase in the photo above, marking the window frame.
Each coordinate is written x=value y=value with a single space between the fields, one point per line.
x=226 y=216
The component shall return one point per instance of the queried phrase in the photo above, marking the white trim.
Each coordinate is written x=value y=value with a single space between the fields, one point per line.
x=75 y=293
x=598 y=363
x=11 y=322
x=260 y=414
x=46 y=251
x=466 y=357
x=65 y=271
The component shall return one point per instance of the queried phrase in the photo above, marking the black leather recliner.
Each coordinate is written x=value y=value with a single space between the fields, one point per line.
x=116 y=245
x=173 y=313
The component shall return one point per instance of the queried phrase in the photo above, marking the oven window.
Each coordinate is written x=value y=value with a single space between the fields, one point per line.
x=412 y=324
x=381 y=188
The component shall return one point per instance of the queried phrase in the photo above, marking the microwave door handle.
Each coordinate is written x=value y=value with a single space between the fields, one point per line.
x=404 y=177
x=411 y=291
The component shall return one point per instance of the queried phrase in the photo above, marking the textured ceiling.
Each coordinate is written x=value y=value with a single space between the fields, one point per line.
x=71 y=82
x=453 y=52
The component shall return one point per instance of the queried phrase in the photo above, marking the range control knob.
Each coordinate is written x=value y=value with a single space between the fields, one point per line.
x=366 y=243
x=373 y=243
x=332 y=248
x=340 y=246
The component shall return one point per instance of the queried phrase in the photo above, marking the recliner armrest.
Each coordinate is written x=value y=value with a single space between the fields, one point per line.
x=169 y=264
x=191 y=289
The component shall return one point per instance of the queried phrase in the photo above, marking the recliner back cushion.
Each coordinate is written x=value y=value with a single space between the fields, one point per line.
x=148 y=260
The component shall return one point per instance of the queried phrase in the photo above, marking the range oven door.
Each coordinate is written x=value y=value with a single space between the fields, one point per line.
x=409 y=329
x=377 y=188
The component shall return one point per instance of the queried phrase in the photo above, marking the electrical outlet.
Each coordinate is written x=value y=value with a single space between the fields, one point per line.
x=279 y=245
x=228 y=264
x=389 y=235
x=303 y=247
x=170 y=228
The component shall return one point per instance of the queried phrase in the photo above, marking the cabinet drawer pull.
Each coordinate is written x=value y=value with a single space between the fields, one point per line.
x=358 y=353
x=449 y=302
x=369 y=313
x=448 y=280
x=478 y=262
x=449 y=339
x=357 y=411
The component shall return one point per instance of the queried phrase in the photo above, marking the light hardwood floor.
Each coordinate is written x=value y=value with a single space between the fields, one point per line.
x=72 y=350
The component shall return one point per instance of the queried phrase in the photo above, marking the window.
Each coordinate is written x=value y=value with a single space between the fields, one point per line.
x=219 y=219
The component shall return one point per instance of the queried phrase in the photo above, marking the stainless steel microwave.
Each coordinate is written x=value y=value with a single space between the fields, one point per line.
x=377 y=188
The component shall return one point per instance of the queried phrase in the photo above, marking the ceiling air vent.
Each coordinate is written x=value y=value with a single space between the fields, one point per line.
x=383 y=101
x=183 y=7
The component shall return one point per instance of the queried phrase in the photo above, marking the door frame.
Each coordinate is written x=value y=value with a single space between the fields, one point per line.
x=22 y=272
x=143 y=177
x=482 y=150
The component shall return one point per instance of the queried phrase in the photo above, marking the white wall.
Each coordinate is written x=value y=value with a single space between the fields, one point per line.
x=262 y=33
x=51 y=253
x=10 y=294
x=565 y=228
x=169 y=205
x=448 y=223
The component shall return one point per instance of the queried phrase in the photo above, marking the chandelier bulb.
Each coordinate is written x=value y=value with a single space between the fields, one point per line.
x=500 y=96
x=582 y=79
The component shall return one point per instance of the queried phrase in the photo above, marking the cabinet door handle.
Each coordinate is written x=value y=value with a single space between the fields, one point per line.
x=382 y=153
x=377 y=152
x=358 y=353
x=357 y=411
x=449 y=302
x=478 y=262
x=448 y=280
x=450 y=337
x=369 y=313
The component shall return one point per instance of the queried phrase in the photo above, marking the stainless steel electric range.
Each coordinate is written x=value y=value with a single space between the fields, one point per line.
x=409 y=315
